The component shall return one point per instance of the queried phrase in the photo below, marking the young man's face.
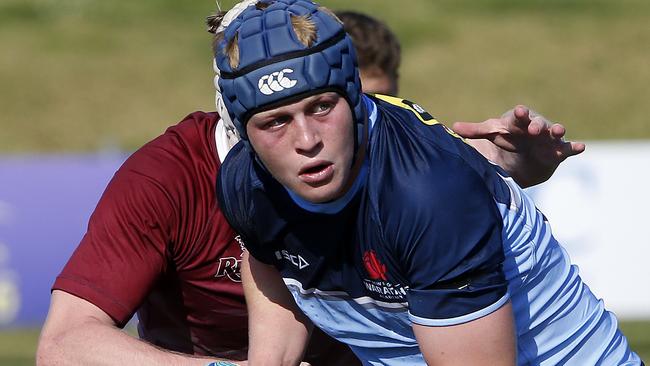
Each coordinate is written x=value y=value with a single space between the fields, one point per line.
x=308 y=145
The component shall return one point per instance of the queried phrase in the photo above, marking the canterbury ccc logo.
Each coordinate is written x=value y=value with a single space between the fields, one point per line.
x=276 y=82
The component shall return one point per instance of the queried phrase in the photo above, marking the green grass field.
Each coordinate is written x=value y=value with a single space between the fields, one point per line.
x=17 y=347
x=81 y=75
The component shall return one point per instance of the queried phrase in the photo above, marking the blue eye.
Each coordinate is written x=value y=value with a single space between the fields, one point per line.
x=322 y=107
x=276 y=122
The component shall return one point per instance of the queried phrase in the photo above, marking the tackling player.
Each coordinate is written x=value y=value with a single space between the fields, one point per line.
x=365 y=216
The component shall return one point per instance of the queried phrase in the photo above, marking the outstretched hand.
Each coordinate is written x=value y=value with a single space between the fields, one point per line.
x=525 y=144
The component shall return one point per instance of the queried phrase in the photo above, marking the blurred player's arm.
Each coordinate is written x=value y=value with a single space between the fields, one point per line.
x=278 y=331
x=524 y=143
x=77 y=332
x=489 y=340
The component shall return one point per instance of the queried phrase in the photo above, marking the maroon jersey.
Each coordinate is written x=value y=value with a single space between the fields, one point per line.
x=158 y=243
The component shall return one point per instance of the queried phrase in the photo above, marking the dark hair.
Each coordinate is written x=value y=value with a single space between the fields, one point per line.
x=377 y=47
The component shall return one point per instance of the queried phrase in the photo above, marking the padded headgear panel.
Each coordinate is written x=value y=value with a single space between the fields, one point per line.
x=275 y=68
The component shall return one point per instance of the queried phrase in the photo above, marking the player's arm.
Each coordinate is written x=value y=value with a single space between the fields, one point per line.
x=77 y=332
x=111 y=272
x=524 y=143
x=489 y=340
x=278 y=331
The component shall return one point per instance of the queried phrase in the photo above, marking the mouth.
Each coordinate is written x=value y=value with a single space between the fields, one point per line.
x=317 y=173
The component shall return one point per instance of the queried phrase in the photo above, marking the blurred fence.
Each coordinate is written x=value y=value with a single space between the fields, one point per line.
x=597 y=203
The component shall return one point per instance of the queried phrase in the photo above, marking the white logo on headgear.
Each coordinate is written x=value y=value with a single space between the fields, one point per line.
x=276 y=82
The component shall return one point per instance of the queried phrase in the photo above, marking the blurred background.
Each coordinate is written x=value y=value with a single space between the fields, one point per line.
x=85 y=82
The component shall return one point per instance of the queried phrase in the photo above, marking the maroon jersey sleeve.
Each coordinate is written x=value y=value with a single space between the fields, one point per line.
x=133 y=233
x=124 y=249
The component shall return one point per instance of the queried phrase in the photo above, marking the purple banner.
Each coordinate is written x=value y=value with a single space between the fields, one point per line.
x=45 y=203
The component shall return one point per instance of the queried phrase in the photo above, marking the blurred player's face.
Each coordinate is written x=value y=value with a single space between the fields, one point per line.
x=377 y=82
x=308 y=145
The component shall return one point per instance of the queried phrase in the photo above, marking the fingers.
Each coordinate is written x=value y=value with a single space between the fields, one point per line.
x=568 y=149
x=483 y=130
x=522 y=119
x=575 y=148
x=557 y=131
x=522 y=113
x=536 y=126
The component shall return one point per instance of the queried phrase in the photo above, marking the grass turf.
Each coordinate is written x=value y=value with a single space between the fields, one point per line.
x=17 y=347
x=87 y=75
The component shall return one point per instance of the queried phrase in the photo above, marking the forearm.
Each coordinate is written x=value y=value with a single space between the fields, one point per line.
x=94 y=343
x=76 y=332
x=278 y=331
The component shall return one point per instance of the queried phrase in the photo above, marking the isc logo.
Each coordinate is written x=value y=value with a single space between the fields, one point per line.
x=275 y=82
x=296 y=260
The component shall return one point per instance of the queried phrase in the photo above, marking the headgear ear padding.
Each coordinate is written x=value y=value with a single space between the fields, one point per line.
x=227 y=135
x=275 y=68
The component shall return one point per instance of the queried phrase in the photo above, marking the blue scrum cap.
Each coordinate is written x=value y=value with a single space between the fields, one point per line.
x=275 y=68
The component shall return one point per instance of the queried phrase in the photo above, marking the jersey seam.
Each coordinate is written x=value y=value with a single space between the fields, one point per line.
x=96 y=290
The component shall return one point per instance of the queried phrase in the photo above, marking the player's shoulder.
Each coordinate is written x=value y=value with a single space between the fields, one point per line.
x=407 y=141
x=237 y=169
x=403 y=124
x=420 y=184
x=417 y=162
x=236 y=182
x=180 y=161
x=181 y=145
x=396 y=106
x=193 y=135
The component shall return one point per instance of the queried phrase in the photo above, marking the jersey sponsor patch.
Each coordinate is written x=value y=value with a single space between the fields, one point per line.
x=378 y=282
x=295 y=259
x=230 y=266
x=376 y=270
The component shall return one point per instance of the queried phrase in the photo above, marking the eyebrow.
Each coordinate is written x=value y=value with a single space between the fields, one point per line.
x=307 y=100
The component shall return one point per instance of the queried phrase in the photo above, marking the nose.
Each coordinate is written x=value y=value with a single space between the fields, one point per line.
x=307 y=136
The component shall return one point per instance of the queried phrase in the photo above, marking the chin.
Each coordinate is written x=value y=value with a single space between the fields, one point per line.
x=315 y=197
x=320 y=194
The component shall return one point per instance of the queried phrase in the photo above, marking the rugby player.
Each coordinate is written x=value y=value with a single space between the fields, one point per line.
x=367 y=217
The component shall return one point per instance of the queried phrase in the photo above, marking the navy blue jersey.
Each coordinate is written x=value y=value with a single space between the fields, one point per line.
x=430 y=233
